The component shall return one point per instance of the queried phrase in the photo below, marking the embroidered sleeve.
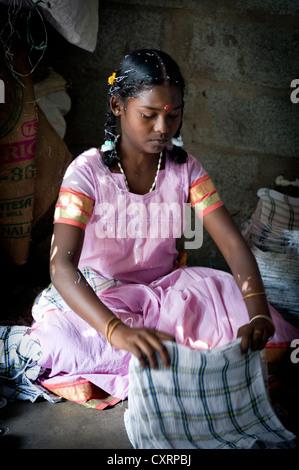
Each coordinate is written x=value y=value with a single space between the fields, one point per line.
x=73 y=207
x=203 y=196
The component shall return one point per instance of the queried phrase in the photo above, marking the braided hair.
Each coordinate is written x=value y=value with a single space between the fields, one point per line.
x=141 y=69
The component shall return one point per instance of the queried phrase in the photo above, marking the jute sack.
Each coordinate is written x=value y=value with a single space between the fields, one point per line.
x=51 y=160
x=18 y=127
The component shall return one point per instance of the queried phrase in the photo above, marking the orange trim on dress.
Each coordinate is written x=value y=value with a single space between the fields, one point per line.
x=200 y=180
x=84 y=393
x=73 y=207
x=73 y=191
x=203 y=196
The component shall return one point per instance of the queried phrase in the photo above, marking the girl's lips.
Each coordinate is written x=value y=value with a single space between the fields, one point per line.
x=160 y=141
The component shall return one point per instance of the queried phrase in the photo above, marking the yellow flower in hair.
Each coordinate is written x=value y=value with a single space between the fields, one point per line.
x=111 y=78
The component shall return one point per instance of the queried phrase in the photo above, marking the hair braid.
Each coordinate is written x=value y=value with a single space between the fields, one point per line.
x=110 y=157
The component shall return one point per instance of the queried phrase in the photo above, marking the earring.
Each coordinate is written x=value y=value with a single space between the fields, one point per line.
x=117 y=112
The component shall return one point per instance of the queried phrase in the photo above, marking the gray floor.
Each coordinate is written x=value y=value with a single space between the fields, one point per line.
x=63 y=425
x=67 y=425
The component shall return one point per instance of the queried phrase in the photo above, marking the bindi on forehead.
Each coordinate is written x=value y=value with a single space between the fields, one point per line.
x=159 y=108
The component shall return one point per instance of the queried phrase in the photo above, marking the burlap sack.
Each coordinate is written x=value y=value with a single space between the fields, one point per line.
x=51 y=160
x=33 y=159
x=18 y=127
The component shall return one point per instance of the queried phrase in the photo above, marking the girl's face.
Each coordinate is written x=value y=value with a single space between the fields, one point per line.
x=151 y=118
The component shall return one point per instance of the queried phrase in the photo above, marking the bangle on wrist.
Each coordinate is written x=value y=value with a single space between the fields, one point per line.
x=253 y=295
x=113 y=322
x=265 y=317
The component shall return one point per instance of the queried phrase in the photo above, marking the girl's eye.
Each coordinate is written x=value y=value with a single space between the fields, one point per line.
x=146 y=116
x=171 y=116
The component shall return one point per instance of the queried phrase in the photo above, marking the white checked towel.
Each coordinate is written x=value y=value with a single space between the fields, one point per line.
x=19 y=371
x=273 y=235
x=207 y=399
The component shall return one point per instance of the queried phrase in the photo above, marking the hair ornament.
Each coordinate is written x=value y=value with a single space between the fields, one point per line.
x=108 y=146
x=111 y=78
x=177 y=141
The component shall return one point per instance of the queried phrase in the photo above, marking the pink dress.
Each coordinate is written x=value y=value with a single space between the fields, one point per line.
x=130 y=259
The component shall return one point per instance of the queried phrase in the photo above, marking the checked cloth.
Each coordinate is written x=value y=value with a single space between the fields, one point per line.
x=207 y=399
x=19 y=371
x=273 y=235
x=50 y=297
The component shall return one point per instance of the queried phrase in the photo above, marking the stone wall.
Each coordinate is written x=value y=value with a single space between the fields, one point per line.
x=238 y=57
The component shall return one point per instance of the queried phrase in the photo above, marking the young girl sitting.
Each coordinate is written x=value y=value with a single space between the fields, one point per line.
x=117 y=288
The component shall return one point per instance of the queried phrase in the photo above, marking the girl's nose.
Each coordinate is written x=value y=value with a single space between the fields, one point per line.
x=161 y=124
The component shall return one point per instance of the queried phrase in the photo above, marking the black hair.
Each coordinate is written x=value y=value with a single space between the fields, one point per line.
x=141 y=69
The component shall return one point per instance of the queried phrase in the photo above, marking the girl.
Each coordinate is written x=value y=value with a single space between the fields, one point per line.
x=117 y=290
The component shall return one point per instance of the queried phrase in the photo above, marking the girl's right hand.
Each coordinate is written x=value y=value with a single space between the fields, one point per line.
x=144 y=343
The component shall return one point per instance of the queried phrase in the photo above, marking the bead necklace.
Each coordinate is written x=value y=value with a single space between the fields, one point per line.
x=155 y=180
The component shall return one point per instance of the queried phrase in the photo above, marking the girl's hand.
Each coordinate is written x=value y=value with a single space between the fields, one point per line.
x=255 y=334
x=144 y=343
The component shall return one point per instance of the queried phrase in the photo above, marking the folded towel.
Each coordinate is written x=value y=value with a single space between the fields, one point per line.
x=207 y=399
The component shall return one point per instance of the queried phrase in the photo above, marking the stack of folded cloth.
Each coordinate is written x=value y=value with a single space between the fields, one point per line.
x=273 y=235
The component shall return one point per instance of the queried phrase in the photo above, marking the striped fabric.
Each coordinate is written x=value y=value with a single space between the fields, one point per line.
x=18 y=366
x=273 y=235
x=278 y=210
x=73 y=207
x=274 y=222
x=49 y=297
x=203 y=196
x=207 y=399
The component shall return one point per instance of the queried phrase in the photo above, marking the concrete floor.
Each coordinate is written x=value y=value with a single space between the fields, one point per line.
x=67 y=425
x=63 y=425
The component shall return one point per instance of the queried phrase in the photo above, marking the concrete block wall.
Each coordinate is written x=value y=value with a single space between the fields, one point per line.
x=238 y=58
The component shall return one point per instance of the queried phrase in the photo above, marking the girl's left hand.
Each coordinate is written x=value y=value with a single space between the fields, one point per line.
x=255 y=334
